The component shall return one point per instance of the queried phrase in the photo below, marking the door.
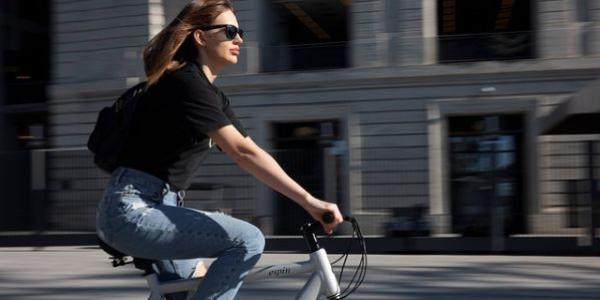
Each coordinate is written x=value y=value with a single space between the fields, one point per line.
x=302 y=150
x=486 y=174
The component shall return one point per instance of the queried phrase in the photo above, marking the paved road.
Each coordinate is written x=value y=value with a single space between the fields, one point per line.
x=84 y=273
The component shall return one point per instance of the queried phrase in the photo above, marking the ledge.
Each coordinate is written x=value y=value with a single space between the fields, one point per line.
x=522 y=245
x=410 y=75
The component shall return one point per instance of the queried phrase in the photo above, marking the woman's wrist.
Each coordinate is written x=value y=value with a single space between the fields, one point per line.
x=307 y=200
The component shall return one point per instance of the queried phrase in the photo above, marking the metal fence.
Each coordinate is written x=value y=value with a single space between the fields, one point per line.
x=58 y=190
x=570 y=186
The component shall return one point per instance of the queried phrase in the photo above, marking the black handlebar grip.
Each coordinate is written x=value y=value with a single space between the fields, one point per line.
x=328 y=217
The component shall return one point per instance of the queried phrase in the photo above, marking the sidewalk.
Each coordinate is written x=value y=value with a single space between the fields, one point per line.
x=523 y=245
x=84 y=272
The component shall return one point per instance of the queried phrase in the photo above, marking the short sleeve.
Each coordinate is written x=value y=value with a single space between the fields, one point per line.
x=202 y=108
x=232 y=117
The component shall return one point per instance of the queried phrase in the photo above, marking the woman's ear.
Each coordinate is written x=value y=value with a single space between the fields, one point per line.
x=199 y=37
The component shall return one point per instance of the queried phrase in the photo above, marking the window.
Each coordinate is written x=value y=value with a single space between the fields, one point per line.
x=26 y=53
x=25 y=50
x=473 y=30
x=305 y=34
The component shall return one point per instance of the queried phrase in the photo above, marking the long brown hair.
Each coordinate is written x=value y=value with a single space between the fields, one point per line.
x=173 y=45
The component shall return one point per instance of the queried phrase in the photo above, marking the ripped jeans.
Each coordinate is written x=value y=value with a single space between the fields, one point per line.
x=139 y=217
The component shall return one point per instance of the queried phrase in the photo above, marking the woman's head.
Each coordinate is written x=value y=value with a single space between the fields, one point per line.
x=205 y=30
x=219 y=42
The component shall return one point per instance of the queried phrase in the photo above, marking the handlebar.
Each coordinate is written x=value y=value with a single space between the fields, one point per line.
x=327 y=217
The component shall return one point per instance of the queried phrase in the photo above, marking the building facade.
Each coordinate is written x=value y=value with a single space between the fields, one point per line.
x=378 y=105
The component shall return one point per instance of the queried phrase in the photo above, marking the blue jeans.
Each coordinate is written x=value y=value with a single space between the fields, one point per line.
x=139 y=217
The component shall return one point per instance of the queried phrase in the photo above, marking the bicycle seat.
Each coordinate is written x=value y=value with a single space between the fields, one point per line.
x=119 y=258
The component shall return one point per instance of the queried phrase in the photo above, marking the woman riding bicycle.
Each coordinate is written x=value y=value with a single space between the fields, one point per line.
x=180 y=117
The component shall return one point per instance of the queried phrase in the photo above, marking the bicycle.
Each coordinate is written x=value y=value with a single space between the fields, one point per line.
x=321 y=282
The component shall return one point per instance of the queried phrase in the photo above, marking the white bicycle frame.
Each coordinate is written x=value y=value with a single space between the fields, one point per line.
x=322 y=281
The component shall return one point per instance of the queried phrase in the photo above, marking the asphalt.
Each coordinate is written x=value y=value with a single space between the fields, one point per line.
x=84 y=272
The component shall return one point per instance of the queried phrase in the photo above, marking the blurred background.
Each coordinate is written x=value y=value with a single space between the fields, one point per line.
x=442 y=125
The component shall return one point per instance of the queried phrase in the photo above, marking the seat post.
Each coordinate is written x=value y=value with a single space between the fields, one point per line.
x=154 y=287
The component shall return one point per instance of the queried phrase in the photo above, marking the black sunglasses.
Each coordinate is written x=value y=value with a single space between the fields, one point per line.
x=230 y=30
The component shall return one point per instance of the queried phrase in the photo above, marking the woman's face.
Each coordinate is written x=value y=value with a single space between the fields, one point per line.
x=217 y=47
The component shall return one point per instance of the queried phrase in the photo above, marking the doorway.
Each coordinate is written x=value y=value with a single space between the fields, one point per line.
x=486 y=174
x=306 y=151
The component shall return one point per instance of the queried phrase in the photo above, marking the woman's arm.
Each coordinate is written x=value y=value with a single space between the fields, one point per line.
x=261 y=164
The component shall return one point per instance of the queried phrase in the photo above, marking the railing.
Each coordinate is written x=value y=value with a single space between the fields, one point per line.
x=412 y=48
x=58 y=190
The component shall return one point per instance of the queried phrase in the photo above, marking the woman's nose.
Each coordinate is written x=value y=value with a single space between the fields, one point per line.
x=238 y=39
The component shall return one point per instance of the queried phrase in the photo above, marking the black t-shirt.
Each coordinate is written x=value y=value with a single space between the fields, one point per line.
x=168 y=137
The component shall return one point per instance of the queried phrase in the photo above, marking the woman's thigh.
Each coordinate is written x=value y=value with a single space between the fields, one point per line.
x=166 y=232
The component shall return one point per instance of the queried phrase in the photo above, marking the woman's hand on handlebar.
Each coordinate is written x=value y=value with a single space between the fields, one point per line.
x=317 y=208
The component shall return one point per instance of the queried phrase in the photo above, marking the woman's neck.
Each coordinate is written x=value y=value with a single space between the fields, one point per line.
x=210 y=70
x=210 y=73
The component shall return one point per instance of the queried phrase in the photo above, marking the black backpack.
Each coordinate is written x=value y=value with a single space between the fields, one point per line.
x=111 y=131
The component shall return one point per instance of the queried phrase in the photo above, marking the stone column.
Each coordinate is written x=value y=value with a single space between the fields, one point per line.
x=429 y=25
x=404 y=30
x=411 y=32
x=369 y=42
x=592 y=28
x=554 y=29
